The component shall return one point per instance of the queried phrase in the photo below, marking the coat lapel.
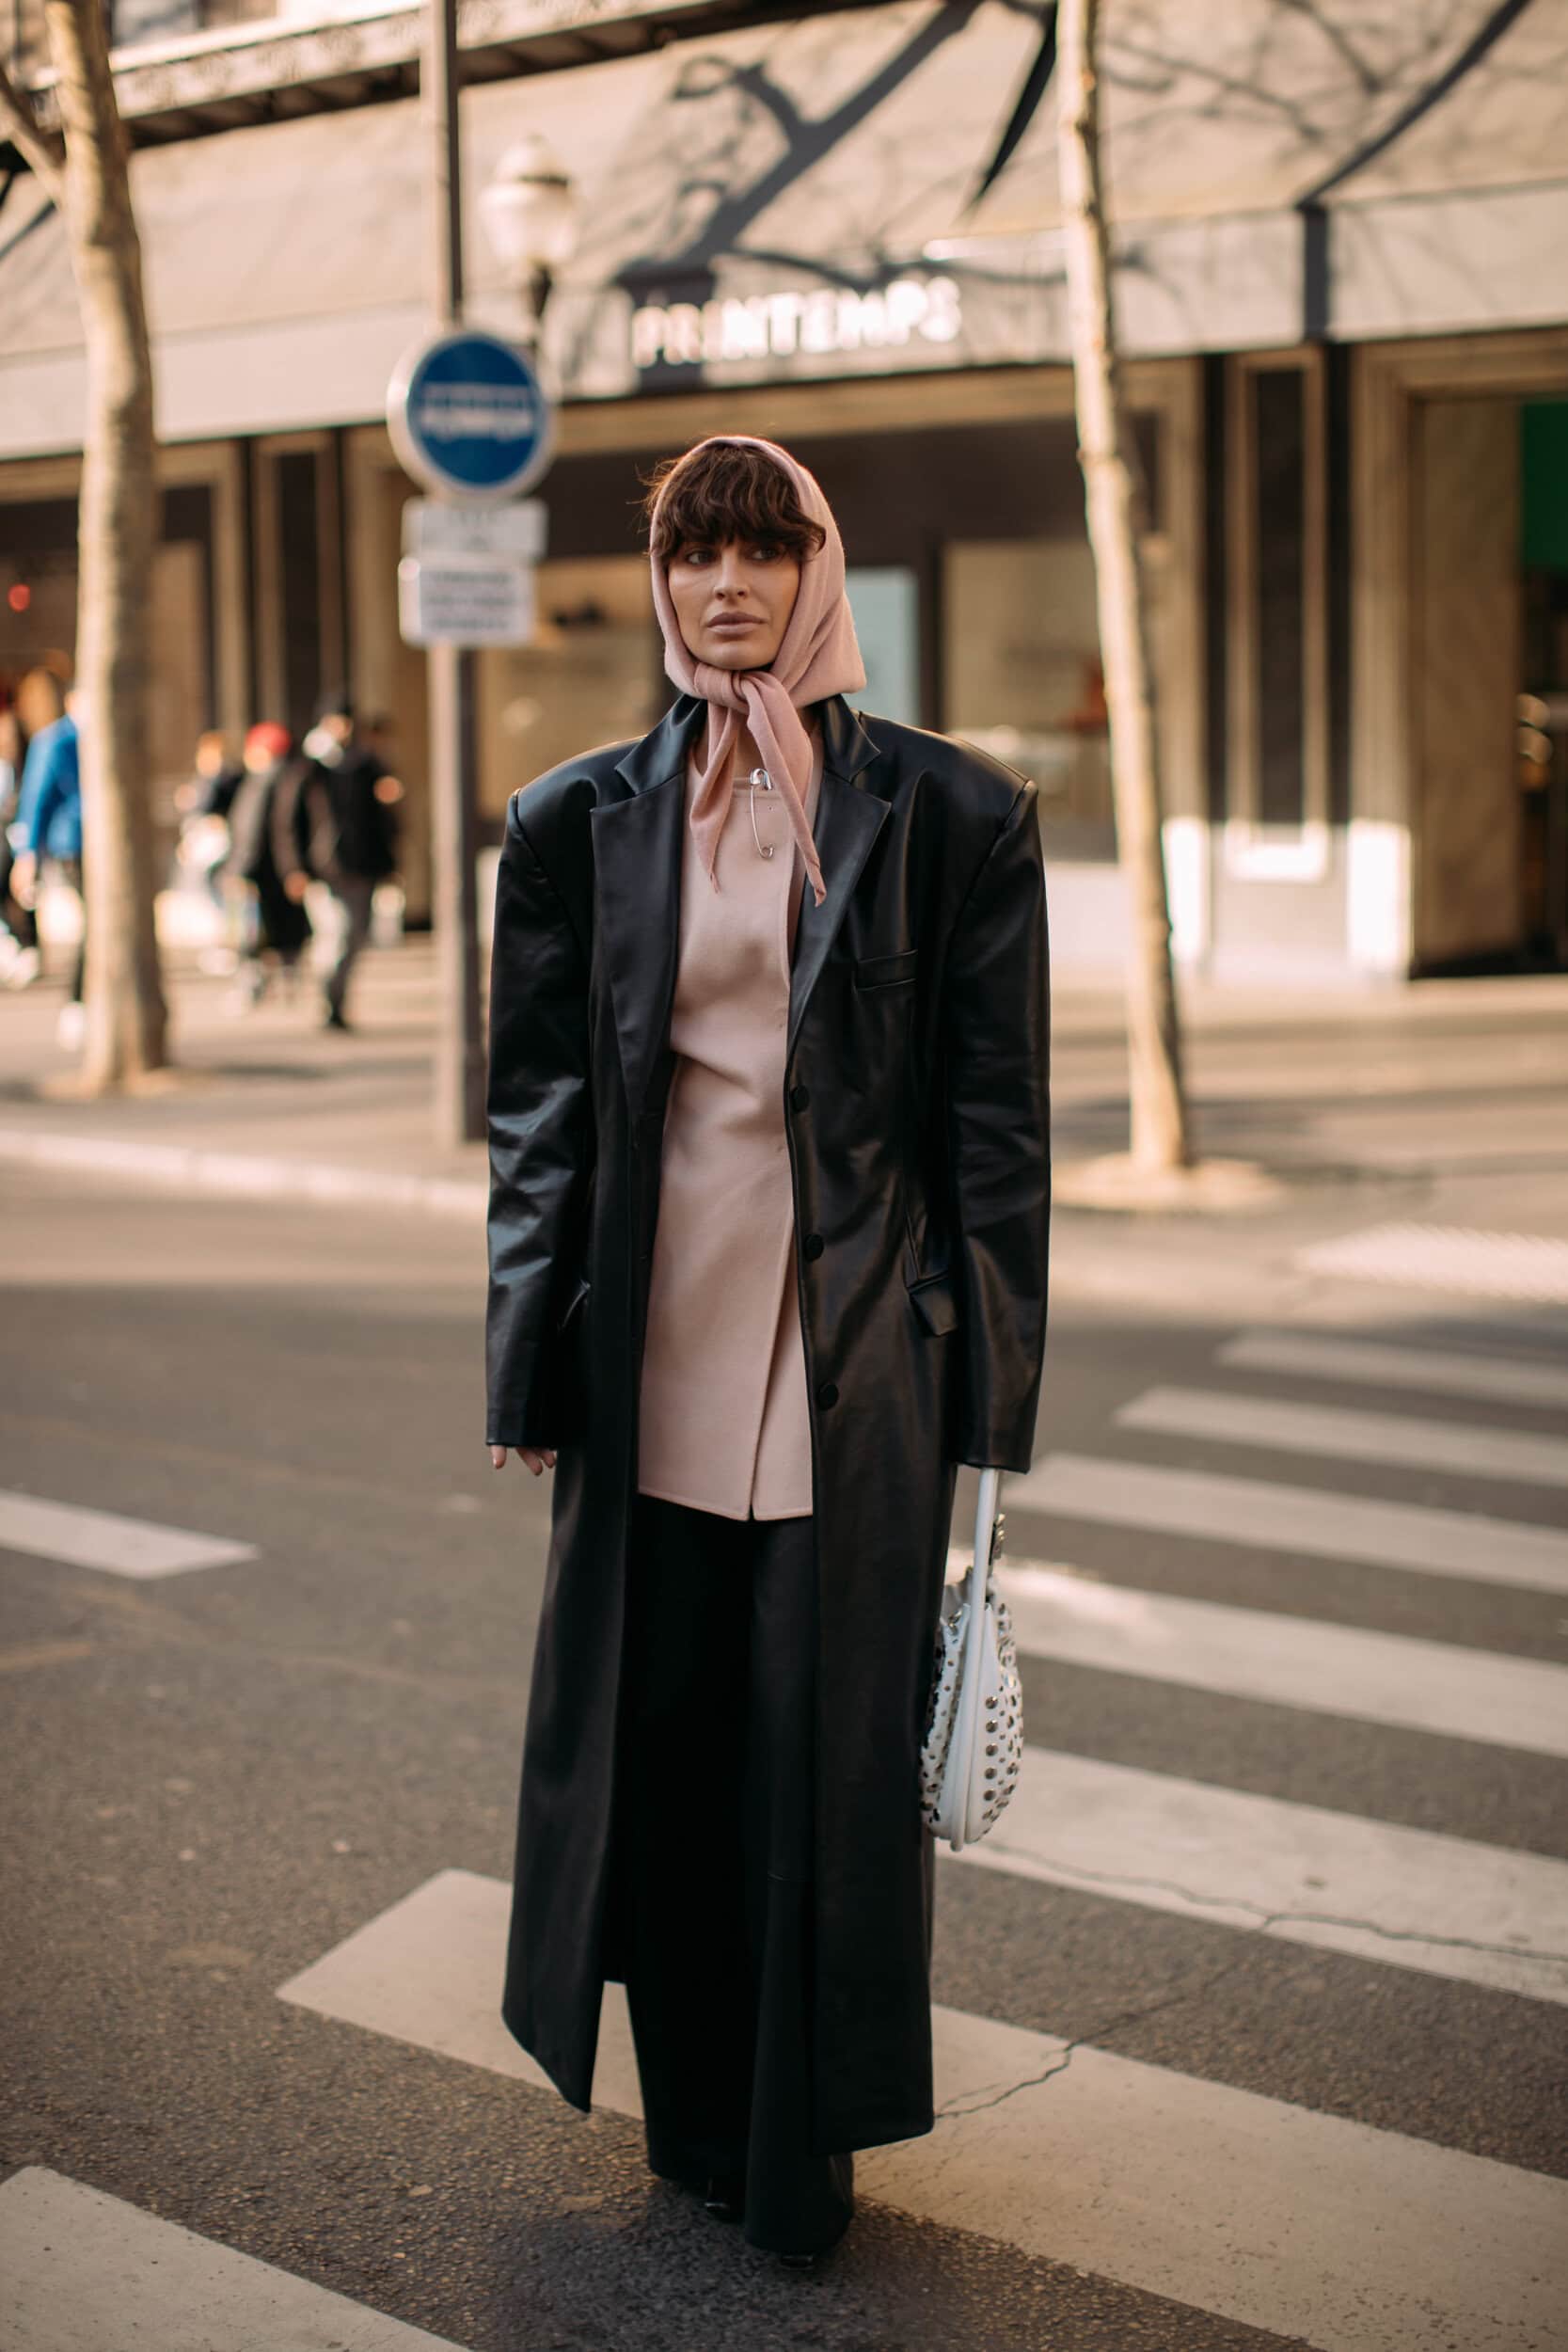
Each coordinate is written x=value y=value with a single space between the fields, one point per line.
x=848 y=823
x=637 y=869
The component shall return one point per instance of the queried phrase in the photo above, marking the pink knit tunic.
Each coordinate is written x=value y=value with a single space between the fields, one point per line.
x=724 y=1419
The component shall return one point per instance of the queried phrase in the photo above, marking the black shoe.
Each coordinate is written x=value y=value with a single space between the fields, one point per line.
x=725 y=2197
x=335 y=1018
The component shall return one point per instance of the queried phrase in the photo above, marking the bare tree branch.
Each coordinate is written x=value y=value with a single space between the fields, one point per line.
x=1339 y=41
x=808 y=143
x=42 y=150
x=1496 y=23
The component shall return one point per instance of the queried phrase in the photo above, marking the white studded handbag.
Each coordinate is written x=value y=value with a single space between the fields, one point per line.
x=974 y=1746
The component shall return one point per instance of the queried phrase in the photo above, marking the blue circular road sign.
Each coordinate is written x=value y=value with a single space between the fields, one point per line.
x=469 y=417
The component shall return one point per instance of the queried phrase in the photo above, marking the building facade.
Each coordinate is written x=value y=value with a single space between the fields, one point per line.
x=1340 y=288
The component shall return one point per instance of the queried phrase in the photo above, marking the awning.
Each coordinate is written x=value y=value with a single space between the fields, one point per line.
x=796 y=200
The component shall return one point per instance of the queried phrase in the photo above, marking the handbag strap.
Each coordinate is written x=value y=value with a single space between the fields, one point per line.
x=982 y=1575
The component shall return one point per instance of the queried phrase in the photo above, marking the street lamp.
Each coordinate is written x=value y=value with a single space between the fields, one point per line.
x=529 y=211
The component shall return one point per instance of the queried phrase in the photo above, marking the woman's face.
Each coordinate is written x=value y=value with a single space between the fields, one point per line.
x=733 y=602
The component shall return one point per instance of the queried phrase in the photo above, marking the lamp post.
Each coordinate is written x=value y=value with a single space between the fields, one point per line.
x=530 y=218
x=450 y=671
x=529 y=212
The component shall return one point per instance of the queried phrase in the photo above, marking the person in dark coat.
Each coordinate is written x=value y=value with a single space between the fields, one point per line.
x=338 y=820
x=277 y=928
x=768 y=1223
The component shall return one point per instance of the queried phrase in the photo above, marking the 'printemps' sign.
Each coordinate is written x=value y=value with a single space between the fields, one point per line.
x=819 y=321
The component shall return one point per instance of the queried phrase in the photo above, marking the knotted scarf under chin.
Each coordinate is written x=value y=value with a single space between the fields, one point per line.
x=818 y=656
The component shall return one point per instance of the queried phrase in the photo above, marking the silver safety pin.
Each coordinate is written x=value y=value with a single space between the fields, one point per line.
x=760 y=781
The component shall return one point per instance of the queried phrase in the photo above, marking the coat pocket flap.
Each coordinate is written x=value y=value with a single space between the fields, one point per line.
x=886 y=971
x=933 y=1300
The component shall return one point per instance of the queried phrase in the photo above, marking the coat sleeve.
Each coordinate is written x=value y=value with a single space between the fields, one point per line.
x=285 y=808
x=997 y=1053
x=41 y=790
x=541 y=1144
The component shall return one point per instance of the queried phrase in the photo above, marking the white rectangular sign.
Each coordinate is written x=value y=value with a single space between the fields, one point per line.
x=464 y=600
x=440 y=527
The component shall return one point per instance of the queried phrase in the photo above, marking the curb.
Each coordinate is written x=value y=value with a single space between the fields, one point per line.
x=1155 y=1282
x=244 y=1175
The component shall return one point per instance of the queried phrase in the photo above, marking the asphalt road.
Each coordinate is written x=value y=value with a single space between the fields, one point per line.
x=216 y=1778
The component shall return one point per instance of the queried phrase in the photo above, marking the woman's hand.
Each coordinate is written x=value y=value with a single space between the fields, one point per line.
x=538 y=1459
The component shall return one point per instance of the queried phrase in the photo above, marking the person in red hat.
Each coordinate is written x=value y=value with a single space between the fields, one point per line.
x=275 y=927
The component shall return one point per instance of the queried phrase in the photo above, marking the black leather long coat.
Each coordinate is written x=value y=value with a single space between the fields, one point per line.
x=916 y=1112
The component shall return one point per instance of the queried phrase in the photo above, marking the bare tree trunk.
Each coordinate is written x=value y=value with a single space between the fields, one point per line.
x=126 y=1020
x=1159 y=1137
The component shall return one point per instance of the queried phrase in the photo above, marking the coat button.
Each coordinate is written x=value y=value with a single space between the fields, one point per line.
x=812 y=1244
x=826 y=1395
x=798 y=1098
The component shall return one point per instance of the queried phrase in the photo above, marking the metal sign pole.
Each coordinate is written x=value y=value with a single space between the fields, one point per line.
x=450 y=669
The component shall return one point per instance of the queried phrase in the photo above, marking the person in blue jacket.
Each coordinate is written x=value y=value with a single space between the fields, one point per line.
x=48 y=817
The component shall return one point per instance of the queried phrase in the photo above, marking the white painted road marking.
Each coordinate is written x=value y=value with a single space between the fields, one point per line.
x=1327 y=1356
x=101 y=1539
x=87 y=2273
x=1290 y=1662
x=1410 y=1897
x=1327 y=2232
x=1451 y=1258
x=429 y=1971
x=1310 y=1519
x=1352 y=1434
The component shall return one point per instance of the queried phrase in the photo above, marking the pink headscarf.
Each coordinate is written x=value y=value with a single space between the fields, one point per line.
x=818 y=656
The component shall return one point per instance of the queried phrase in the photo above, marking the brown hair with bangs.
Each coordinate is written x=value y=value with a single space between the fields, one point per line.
x=719 y=491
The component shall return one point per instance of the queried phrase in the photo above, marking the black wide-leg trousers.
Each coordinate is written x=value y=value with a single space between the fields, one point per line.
x=713 y=1861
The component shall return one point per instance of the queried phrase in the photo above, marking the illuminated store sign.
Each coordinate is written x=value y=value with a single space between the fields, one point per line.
x=817 y=322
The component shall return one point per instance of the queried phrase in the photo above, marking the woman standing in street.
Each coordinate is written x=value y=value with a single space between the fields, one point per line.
x=276 y=929
x=769 y=1221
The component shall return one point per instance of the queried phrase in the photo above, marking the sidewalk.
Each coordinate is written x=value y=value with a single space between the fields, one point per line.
x=1451 y=1098
x=265 y=1101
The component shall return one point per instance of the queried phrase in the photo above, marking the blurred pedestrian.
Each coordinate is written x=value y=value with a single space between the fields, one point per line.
x=37 y=702
x=203 y=802
x=19 y=934
x=770 y=1198
x=339 y=824
x=50 y=821
x=274 y=927
x=214 y=782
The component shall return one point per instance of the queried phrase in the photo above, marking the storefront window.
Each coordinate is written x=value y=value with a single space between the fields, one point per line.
x=38 y=616
x=594 y=674
x=1024 y=681
x=885 y=601
x=1277 y=637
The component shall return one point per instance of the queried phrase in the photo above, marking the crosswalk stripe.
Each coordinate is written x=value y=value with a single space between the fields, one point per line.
x=429 y=1971
x=1414 y=1899
x=84 y=2272
x=1309 y=1520
x=1530 y=1266
x=1392 y=1678
x=1328 y=1355
x=101 y=1539
x=1356 y=1436
x=1330 y=2233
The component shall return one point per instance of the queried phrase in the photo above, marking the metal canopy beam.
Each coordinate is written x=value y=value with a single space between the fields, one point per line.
x=195 y=87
